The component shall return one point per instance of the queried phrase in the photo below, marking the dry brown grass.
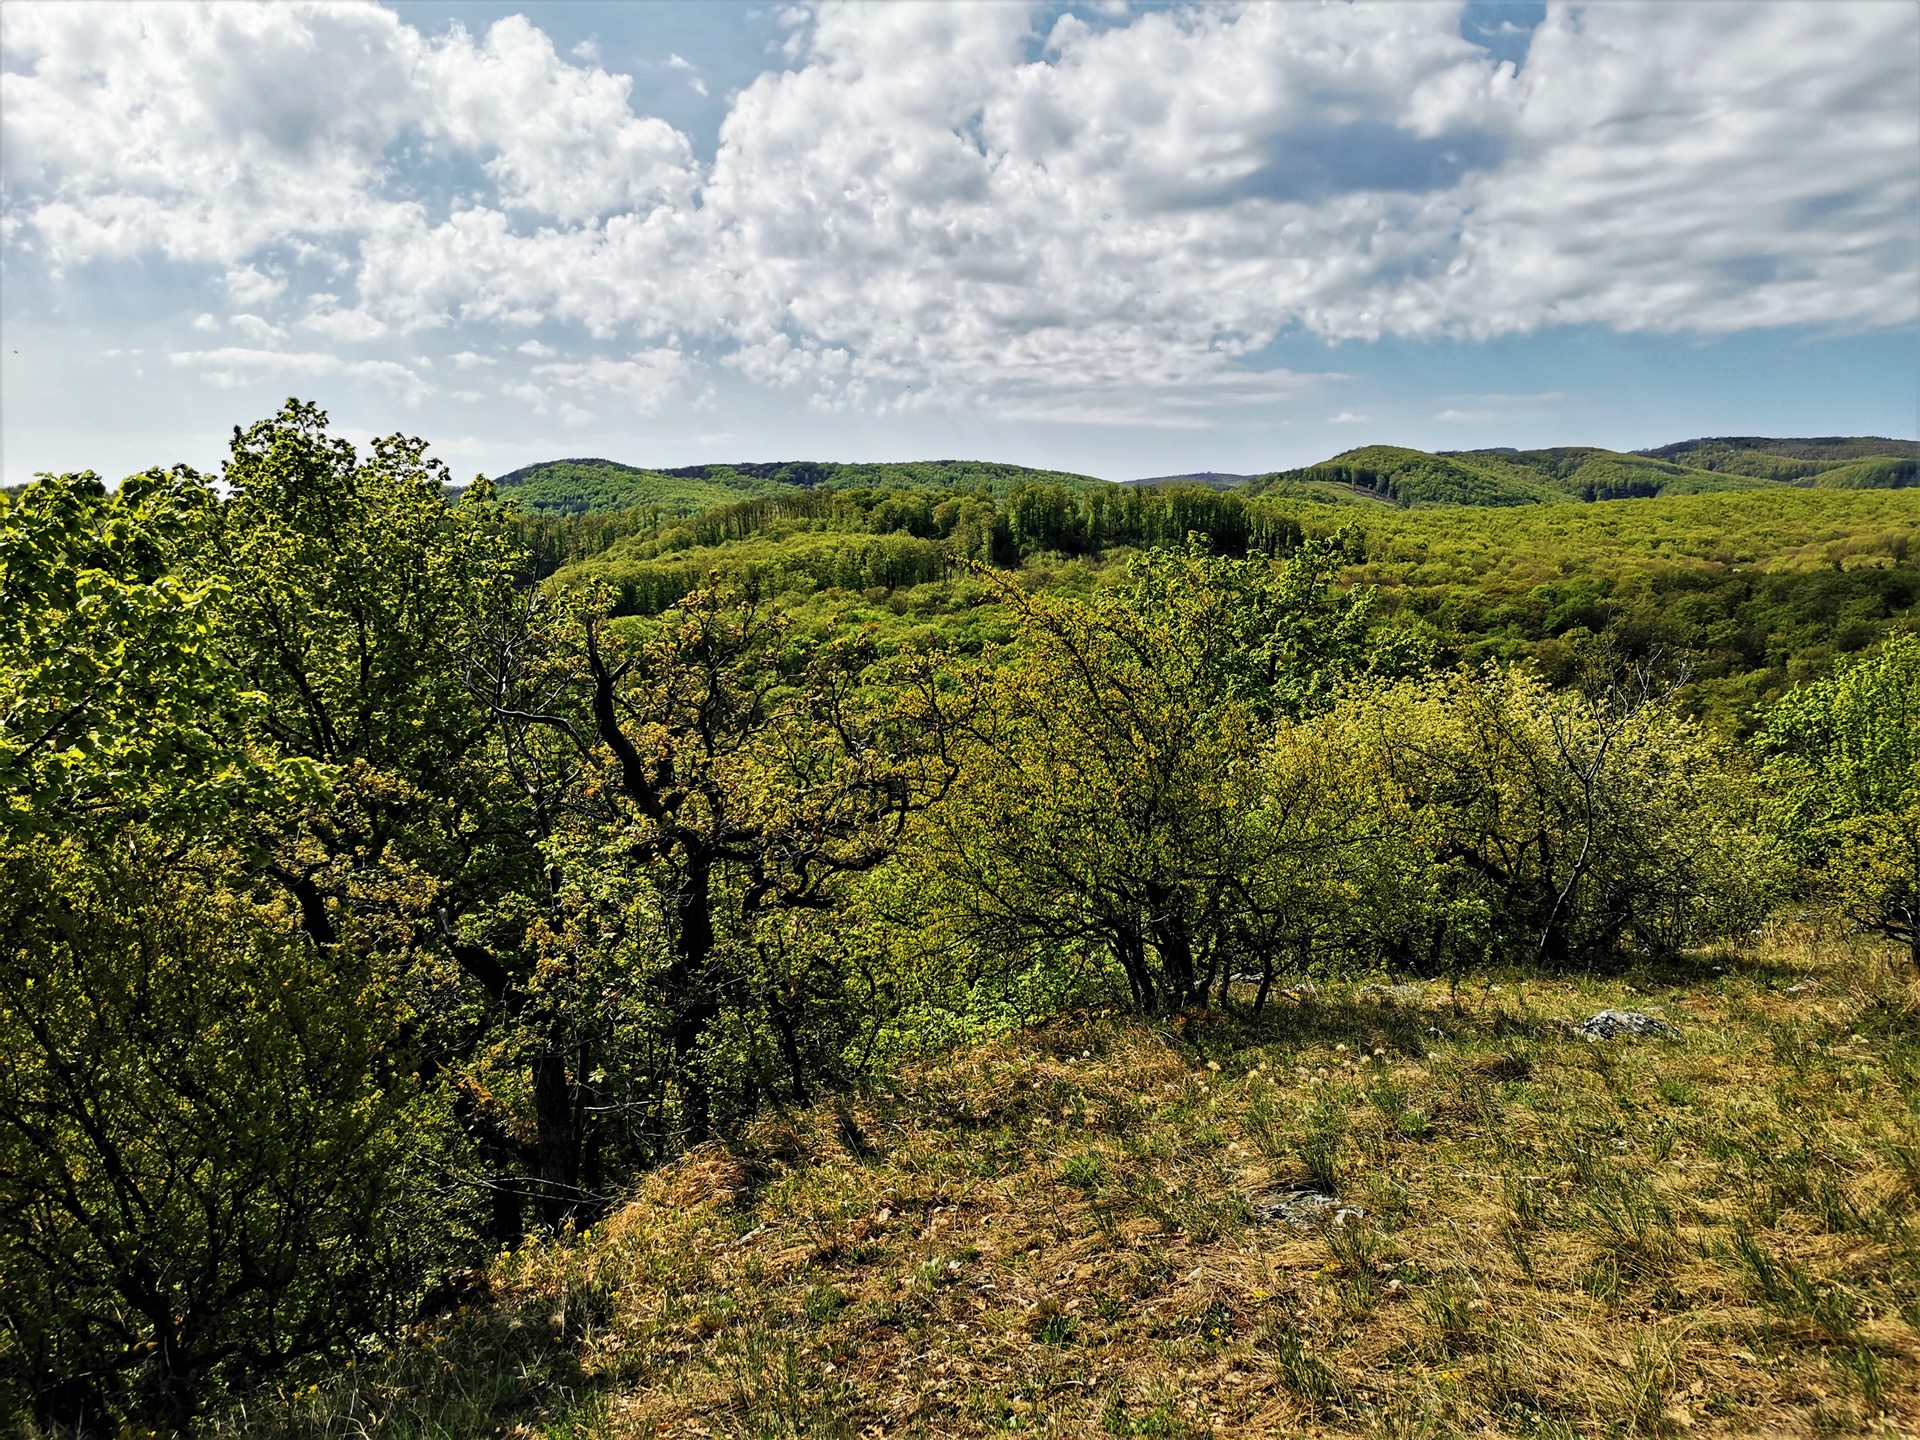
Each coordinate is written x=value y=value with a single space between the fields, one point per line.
x=1062 y=1235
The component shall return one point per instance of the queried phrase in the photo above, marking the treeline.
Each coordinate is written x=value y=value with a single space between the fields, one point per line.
x=1783 y=459
x=889 y=539
x=553 y=539
x=1880 y=473
x=363 y=906
x=1413 y=477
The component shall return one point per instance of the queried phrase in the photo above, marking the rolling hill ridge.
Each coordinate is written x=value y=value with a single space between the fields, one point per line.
x=1584 y=473
x=1371 y=474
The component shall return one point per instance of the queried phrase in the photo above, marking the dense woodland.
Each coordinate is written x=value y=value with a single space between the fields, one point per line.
x=1755 y=591
x=391 y=876
x=1374 y=475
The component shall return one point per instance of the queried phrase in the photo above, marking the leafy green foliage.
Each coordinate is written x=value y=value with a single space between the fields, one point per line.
x=1882 y=472
x=368 y=601
x=1845 y=764
x=714 y=784
x=388 y=871
x=112 y=699
x=365 y=597
x=575 y=487
x=1554 y=827
x=206 y=1086
x=934 y=475
x=1755 y=591
x=866 y=540
x=1372 y=473
x=1413 y=477
x=204 y=1173
x=1787 y=460
x=1518 y=477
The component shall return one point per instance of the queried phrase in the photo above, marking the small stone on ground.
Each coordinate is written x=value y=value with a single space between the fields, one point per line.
x=1403 y=994
x=1304 y=1209
x=1609 y=1023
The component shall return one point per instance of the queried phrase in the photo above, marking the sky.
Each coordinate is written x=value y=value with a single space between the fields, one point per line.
x=1117 y=239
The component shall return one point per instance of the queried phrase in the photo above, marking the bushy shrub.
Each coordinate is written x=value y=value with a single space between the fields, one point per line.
x=1845 y=774
x=1554 y=826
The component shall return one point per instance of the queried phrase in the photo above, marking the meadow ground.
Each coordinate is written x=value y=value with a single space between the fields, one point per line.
x=1105 y=1227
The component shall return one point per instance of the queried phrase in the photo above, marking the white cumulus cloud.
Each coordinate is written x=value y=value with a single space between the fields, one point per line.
x=644 y=382
x=234 y=366
x=914 y=212
x=260 y=332
x=248 y=286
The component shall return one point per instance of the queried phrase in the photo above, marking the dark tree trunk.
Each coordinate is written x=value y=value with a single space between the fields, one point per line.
x=1170 y=938
x=592 y=1135
x=1556 y=946
x=71 y=1407
x=557 y=1148
x=506 y=1214
x=1130 y=948
x=691 y=994
x=785 y=1025
x=171 y=1368
x=505 y=1159
x=315 y=922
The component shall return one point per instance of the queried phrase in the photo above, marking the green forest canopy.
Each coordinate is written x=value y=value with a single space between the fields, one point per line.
x=1751 y=590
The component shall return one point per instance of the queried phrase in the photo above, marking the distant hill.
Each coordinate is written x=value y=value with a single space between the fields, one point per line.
x=1856 y=462
x=589 y=485
x=1372 y=474
x=1212 y=479
x=582 y=485
x=1416 y=477
x=1585 y=473
x=1739 y=451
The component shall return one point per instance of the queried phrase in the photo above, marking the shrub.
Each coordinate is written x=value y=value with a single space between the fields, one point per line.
x=1844 y=768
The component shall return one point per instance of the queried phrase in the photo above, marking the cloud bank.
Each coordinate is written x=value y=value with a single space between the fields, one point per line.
x=1083 y=216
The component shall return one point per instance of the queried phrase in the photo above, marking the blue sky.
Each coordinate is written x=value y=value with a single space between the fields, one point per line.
x=1119 y=239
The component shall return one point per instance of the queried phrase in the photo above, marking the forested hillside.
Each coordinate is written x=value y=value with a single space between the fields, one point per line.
x=1522 y=477
x=1769 y=459
x=572 y=487
x=579 y=487
x=995 y=953
x=1374 y=473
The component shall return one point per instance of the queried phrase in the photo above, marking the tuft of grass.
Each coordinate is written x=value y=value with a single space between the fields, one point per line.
x=1304 y=1372
x=1793 y=1294
x=1320 y=1138
x=1084 y=1170
x=1645 y=1383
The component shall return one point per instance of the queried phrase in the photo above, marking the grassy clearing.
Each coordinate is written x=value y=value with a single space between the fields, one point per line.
x=1074 y=1234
